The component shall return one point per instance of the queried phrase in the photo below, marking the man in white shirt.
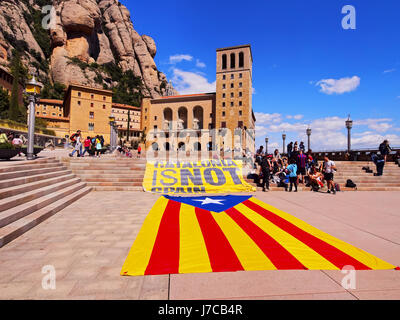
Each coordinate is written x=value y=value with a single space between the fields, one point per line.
x=329 y=168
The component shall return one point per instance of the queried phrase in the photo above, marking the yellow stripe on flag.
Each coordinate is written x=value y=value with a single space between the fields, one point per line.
x=307 y=256
x=193 y=255
x=358 y=254
x=139 y=255
x=249 y=254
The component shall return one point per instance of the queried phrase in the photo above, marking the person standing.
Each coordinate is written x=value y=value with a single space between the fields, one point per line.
x=139 y=151
x=292 y=169
x=302 y=146
x=259 y=155
x=266 y=171
x=329 y=168
x=301 y=165
x=384 y=149
x=78 y=144
x=86 y=145
x=98 y=146
x=289 y=149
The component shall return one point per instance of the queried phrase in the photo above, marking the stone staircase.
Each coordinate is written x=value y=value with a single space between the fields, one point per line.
x=390 y=181
x=31 y=192
x=109 y=173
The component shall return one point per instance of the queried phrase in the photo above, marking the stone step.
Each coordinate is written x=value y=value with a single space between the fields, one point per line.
x=19 y=227
x=110 y=167
x=22 y=210
x=109 y=172
x=18 y=190
x=14 y=201
x=117 y=188
x=117 y=184
x=29 y=179
x=25 y=173
x=100 y=180
x=112 y=176
x=30 y=167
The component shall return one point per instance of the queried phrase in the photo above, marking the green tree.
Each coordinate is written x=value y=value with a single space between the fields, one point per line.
x=4 y=104
x=19 y=73
x=53 y=91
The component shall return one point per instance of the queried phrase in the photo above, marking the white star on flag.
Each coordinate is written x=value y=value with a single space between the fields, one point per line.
x=209 y=200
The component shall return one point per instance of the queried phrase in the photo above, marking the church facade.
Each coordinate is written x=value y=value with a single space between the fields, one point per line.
x=199 y=122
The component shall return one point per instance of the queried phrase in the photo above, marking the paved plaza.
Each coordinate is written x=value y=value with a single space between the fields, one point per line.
x=88 y=241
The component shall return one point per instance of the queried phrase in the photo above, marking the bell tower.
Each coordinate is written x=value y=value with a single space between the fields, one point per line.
x=234 y=90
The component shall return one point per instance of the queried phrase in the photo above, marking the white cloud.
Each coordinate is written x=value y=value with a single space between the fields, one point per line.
x=186 y=82
x=200 y=64
x=267 y=118
x=338 y=86
x=296 y=117
x=389 y=71
x=179 y=58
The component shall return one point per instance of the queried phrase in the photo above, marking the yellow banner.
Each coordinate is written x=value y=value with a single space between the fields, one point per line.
x=190 y=177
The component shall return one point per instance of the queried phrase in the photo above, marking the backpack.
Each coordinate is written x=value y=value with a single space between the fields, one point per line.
x=337 y=187
x=73 y=137
x=350 y=184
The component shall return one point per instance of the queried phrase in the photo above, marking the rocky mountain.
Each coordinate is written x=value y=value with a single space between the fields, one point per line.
x=90 y=42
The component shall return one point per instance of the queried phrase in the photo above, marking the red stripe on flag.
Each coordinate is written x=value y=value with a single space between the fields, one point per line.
x=329 y=252
x=279 y=256
x=165 y=255
x=222 y=256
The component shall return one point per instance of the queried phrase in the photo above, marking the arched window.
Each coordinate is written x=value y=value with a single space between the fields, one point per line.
x=198 y=118
x=233 y=62
x=224 y=61
x=167 y=125
x=197 y=146
x=166 y=146
x=181 y=146
x=241 y=60
x=182 y=118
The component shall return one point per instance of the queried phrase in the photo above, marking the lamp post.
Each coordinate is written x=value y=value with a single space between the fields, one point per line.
x=308 y=131
x=349 y=125
x=33 y=89
x=112 y=131
x=266 y=145
x=284 y=144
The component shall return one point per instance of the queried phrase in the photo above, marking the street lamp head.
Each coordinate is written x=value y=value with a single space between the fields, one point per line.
x=349 y=123
x=111 y=117
x=283 y=136
x=308 y=131
x=266 y=140
x=33 y=87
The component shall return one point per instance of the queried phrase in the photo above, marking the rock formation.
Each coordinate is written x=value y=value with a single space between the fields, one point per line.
x=84 y=35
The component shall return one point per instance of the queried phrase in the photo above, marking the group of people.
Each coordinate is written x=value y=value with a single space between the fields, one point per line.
x=90 y=143
x=126 y=151
x=17 y=140
x=295 y=168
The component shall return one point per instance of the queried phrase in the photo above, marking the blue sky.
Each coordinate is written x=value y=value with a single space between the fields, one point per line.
x=307 y=69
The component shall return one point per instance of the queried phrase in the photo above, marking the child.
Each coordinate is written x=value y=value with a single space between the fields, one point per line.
x=292 y=169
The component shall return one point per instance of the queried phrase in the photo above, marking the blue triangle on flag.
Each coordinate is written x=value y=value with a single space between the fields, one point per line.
x=211 y=203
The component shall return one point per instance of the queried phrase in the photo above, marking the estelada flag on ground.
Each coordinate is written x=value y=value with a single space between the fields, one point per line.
x=191 y=177
x=233 y=233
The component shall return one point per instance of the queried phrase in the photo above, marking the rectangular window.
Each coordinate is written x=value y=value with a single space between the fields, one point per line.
x=104 y=98
x=91 y=115
x=240 y=93
x=92 y=96
x=92 y=104
x=91 y=126
x=240 y=112
x=104 y=106
x=223 y=113
x=232 y=94
x=240 y=124
x=240 y=103
x=240 y=75
x=79 y=94
x=232 y=85
x=223 y=77
x=223 y=86
x=232 y=104
x=232 y=76
x=223 y=104
x=223 y=124
x=240 y=84
x=155 y=117
x=223 y=95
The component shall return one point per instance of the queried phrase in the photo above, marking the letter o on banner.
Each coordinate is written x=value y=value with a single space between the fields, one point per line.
x=210 y=179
